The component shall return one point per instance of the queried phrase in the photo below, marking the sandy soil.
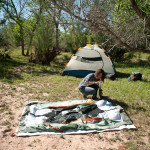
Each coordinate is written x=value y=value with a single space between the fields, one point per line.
x=12 y=103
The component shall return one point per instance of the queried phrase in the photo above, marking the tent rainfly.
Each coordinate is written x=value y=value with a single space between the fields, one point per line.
x=87 y=60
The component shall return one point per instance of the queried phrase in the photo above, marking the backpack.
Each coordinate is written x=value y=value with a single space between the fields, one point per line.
x=135 y=76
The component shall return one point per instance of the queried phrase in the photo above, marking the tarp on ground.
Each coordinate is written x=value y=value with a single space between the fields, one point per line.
x=72 y=117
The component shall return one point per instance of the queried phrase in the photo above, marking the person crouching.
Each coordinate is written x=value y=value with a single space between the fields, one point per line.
x=91 y=84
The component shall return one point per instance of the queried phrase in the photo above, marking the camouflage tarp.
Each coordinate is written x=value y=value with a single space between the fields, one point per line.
x=70 y=117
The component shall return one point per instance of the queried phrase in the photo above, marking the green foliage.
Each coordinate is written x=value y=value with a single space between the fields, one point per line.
x=14 y=13
x=129 y=25
x=132 y=146
x=77 y=36
x=39 y=33
x=29 y=25
x=123 y=9
x=136 y=56
x=16 y=34
x=117 y=54
x=6 y=41
x=74 y=38
x=44 y=36
x=144 y=6
x=9 y=35
x=44 y=42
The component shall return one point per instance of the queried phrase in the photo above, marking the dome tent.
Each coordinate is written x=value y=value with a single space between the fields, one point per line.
x=87 y=60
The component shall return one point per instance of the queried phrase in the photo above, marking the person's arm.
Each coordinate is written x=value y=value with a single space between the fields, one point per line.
x=92 y=82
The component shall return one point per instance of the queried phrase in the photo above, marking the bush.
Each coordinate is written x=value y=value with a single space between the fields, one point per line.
x=117 y=54
x=4 y=54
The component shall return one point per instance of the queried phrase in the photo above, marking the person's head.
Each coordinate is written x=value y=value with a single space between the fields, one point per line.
x=100 y=74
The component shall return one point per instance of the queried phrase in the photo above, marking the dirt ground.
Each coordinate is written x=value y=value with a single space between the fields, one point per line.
x=12 y=103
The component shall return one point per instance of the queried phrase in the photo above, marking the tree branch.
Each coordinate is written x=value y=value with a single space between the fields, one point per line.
x=140 y=13
x=95 y=27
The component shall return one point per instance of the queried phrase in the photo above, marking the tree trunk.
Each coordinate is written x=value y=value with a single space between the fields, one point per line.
x=28 y=49
x=56 y=35
x=33 y=30
x=22 y=40
x=22 y=46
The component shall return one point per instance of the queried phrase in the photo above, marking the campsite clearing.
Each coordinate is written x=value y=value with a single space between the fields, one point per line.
x=21 y=82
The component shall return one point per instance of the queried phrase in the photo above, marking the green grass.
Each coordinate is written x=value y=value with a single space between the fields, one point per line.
x=39 y=82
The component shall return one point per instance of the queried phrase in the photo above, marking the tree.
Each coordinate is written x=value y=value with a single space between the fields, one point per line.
x=131 y=27
x=76 y=36
x=14 y=11
x=5 y=40
x=36 y=9
x=99 y=16
x=43 y=41
x=141 y=13
x=43 y=32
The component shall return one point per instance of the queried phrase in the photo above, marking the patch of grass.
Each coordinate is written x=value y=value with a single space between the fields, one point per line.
x=9 y=113
x=137 y=55
x=63 y=57
x=36 y=141
x=4 y=107
x=131 y=146
x=30 y=145
x=11 y=118
x=118 y=138
x=134 y=96
x=99 y=137
x=5 y=123
x=62 y=136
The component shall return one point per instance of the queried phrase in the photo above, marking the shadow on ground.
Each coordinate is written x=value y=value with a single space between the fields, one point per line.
x=122 y=75
x=124 y=105
x=7 y=70
x=116 y=102
x=11 y=70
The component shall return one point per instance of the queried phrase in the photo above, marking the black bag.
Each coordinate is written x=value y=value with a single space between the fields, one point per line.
x=135 y=76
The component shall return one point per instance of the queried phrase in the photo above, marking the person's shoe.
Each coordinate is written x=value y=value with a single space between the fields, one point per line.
x=84 y=96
